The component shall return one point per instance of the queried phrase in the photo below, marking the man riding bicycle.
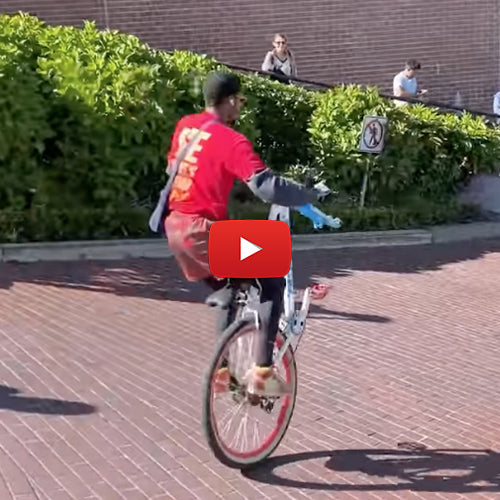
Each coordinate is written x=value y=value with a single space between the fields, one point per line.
x=199 y=196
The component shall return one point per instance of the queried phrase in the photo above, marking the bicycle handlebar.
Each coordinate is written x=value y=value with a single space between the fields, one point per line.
x=319 y=218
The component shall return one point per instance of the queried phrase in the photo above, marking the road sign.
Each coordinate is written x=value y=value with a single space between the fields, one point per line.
x=373 y=134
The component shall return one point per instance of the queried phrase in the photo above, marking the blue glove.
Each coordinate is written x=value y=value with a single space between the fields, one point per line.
x=318 y=218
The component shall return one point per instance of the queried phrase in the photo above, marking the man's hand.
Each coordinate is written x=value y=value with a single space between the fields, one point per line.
x=322 y=191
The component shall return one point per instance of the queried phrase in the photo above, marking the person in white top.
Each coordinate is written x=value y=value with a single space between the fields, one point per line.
x=496 y=106
x=405 y=83
x=280 y=60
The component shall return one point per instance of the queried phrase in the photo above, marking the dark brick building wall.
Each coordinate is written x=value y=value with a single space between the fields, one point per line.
x=359 y=41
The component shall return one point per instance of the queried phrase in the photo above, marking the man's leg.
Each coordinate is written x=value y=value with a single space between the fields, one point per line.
x=264 y=379
x=188 y=239
x=270 y=313
x=223 y=319
x=224 y=316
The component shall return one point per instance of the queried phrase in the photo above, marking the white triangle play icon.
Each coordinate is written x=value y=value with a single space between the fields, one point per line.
x=247 y=248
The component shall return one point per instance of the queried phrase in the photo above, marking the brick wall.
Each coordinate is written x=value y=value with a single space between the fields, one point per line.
x=361 y=41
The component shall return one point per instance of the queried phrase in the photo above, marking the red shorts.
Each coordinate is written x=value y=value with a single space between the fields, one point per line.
x=187 y=237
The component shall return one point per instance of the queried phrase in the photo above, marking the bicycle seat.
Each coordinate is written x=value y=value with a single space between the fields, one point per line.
x=220 y=298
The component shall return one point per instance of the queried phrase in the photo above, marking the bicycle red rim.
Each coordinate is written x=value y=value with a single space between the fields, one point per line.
x=281 y=420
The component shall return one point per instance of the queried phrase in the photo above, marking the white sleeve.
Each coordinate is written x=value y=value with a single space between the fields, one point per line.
x=267 y=65
x=397 y=83
x=496 y=104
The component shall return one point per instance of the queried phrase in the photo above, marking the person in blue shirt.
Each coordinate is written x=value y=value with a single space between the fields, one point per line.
x=405 y=83
x=496 y=105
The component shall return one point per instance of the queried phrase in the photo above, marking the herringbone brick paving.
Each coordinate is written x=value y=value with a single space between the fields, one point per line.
x=101 y=364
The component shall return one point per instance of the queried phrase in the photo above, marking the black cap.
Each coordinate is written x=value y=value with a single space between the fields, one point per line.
x=218 y=86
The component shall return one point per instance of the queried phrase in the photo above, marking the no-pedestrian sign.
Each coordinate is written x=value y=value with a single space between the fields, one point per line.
x=373 y=134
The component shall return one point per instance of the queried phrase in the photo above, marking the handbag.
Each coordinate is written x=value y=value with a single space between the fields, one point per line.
x=161 y=211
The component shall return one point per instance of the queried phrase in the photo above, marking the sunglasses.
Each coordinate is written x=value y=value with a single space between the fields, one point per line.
x=241 y=99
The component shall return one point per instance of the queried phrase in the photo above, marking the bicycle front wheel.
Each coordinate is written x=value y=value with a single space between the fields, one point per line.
x=243 y=429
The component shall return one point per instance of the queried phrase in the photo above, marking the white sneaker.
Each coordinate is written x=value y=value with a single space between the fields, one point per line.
x=265 y=381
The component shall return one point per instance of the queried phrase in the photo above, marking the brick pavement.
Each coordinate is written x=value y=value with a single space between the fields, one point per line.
x=101 y=364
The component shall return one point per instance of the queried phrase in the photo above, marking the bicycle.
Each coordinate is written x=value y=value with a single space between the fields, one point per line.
x=236 y=350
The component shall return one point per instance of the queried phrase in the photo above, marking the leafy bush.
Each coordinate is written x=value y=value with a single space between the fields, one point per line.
x=281 y=115
x=23 y=112
x=87 y=117
x=411 y=216
x=75 y=223
x=427 y=153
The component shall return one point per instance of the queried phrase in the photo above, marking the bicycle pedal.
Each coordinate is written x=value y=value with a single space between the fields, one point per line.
x=319 y=291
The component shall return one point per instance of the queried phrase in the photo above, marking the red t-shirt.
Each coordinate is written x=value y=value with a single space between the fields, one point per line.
x=207 y=174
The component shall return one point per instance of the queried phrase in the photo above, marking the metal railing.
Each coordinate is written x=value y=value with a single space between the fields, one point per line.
x=319 y=85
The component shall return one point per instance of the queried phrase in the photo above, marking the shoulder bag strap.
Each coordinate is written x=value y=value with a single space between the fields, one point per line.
x=185 y=150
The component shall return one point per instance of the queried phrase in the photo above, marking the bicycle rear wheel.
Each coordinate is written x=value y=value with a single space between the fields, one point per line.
x=243 y=429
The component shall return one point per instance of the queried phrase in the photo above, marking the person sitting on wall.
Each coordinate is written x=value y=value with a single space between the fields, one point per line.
x=405 y=83
x=280 y=60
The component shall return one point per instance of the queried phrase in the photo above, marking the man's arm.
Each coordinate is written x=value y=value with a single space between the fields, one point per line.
x=246 y=165
x=400 y=92
x=274 y=189
x=268 y=65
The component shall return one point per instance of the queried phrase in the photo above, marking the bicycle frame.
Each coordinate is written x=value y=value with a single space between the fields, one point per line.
x=292 y=322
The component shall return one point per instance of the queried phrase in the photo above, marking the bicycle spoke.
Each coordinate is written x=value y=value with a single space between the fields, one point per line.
x=256 y=435
x=250 y=424
x=235 y=440
x=244 y=422
x=232 y=414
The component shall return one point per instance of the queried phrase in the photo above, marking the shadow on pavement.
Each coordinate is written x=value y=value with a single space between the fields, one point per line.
x=161 y=279
x=412 y=259
x=318 y=312
x=448 y=470
x=11 y=400
x=154 y=279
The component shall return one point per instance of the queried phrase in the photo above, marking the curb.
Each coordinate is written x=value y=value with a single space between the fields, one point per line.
x=465 y=232
x=158 y=249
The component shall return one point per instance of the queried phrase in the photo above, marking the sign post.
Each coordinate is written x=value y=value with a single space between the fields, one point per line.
x=372 y=141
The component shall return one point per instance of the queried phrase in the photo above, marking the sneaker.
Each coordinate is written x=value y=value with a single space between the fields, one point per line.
x=221 y=381
x=265 y=381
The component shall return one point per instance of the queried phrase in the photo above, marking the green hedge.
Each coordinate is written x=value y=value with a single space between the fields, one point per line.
x=428 y=153
x=87 y=117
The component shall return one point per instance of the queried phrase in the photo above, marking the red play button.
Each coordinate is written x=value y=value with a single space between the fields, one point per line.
x=249 y=249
